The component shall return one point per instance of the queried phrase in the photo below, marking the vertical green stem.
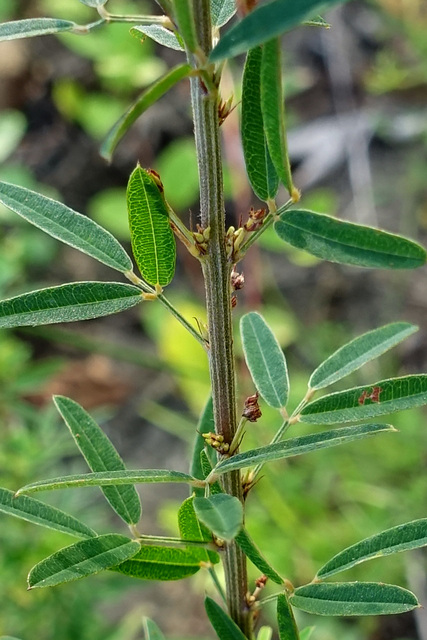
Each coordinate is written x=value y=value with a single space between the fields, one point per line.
x=217 y=271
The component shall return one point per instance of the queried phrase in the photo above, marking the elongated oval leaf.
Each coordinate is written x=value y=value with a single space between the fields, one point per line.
x=250 y=549
x=298 y=446
x=33 y=27
x=107 y=479
x=141 y=104
x=273 y=111
x=385 y=396
x=152 y=238
x=191 y=529
x=82 y=559
x=306 y=633
x=151 y=630
x=184 y=18
x=222 y=11
x=356 y=353
x=100 y=455
x=348 y=243
x=66 y=225
x=221 y=513
x=411 y=535
x=265 y=359
x=265 y=22
x=162 y=563
x=261 y=172
x=37 y=512
x=225 y=627
x=67 y=303
x=288 y=629
x=159 y=34
x=353 y=599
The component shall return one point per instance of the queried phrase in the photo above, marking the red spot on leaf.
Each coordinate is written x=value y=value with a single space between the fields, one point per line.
x=374 y=395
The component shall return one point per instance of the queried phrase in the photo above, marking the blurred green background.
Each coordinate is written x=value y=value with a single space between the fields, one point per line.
x=357 y=114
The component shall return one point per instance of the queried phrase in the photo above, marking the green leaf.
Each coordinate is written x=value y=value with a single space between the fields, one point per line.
x=265 y=22
x=68 y=303
x=42 y=514
x=33 y=27
x=306 y=633
x=151 y=630
x=250 y=550
x=145 y=100
x=353 y=599
x=273 y=111
x=221 y=513
x=348 y=243
x=100 y=455
x=383 y=397
x=225 y=627
x=152 y=238
x=94 y=3
x=265 y=359
x=261 y=172
x=205 y=424
x=159 y=34
x=184 y=18
x=66 y=225
x=222 y=11
x=82 y=559
x=411 y=535
x=288 y=629
x=298 y=446
x=356 y=353
x=191 y=529
x=162 y=563
x=107 y=479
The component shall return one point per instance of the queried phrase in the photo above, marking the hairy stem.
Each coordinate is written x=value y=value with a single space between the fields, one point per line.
x=217 y=269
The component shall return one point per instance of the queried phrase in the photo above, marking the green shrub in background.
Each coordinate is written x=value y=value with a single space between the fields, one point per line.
x=211 y=521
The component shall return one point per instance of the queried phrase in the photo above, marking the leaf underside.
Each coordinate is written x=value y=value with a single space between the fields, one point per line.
x=68 y=303
x=353 y=599
x=100 y=455
x=348 y=243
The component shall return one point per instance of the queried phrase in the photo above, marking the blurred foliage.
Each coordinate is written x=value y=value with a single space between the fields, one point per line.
x=403 y=66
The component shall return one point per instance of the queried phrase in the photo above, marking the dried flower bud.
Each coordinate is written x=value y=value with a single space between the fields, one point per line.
x=256 y=218
x=237 y=280
x=261 y=582
x=252 y=412
x=224 y=109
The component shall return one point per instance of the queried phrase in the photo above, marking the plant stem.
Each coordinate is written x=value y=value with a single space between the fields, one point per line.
x=217 y=270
